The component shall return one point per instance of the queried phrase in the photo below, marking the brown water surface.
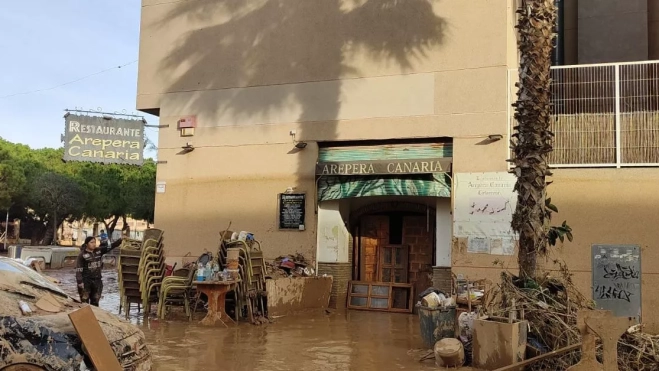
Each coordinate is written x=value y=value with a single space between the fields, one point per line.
x=311 y=342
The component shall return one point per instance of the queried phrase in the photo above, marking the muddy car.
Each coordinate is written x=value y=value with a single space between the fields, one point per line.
x=36 y=333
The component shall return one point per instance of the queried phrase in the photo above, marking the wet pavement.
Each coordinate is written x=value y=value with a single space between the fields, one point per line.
x=315 y=341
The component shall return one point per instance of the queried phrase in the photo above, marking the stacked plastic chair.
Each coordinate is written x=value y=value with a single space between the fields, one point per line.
x=152 y=268
x=139 y=261
x=251 y=291
x=129 y=286
x=176 y=289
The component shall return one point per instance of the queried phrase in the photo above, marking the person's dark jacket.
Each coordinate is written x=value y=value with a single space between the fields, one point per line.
x=90 y=263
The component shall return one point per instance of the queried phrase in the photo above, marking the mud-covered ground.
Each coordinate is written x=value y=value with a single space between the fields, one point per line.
x=311 y=342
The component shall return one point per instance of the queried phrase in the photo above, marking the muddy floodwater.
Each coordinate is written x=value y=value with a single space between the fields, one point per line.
x=316 y=341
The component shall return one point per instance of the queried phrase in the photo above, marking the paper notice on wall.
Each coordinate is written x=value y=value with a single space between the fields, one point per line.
x=502 y=246
x=484 y=205
x=478 y=245
x=160 y=187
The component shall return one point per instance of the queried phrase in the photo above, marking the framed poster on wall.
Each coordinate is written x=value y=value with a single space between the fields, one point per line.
x=292 y=211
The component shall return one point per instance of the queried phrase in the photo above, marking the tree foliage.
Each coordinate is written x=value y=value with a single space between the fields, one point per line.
x=12 y=180
x=39 y=188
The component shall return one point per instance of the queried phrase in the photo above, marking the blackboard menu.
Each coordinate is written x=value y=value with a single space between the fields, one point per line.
x=291 y=210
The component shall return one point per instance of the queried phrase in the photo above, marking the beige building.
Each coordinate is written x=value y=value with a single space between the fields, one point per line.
x=376 y=112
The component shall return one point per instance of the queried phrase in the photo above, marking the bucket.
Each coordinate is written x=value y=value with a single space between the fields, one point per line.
x=436 y=324
x=233 y=254
x=234 y=274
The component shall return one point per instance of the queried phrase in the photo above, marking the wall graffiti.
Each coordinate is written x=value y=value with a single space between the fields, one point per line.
x=613 y=292
x=617 y=279
x=624 y=272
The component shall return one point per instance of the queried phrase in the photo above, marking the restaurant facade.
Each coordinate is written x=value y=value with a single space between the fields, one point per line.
x=373 y=138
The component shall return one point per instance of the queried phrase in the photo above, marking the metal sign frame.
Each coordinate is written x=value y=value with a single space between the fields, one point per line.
x=104 y=139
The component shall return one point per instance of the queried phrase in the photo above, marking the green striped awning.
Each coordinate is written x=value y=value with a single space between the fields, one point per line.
x=385 y=152
x=339 y=187
x=384 y=170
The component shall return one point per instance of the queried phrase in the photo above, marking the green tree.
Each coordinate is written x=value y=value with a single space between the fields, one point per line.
x=115 y=192
x=12 y=179
x=141 y=191
x=532 y=140
x=57 y=197
x=103 y=192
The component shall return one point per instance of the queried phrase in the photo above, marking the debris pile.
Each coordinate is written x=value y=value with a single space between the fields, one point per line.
x=433 y=298
x=550 y=305
x=290 y=266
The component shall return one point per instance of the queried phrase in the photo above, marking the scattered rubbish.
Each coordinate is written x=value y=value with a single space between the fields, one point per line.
x=466 y=325
x=550 y=306
x=432 y=300
x=49 y=303
x=290 y=266
x=430 y=290
x=25 y=308
x=94 y=341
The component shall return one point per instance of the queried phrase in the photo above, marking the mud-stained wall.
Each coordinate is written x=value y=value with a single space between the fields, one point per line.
x=603 y=206
x=290 y=295
x=249 y=87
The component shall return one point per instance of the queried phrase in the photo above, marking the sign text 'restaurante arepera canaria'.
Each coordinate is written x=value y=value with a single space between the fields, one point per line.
x=95 y=139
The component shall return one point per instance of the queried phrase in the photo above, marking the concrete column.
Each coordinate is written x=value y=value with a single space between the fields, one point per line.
x=332 y=234
x=334 y=251
x=444 y=233
x=441 y=272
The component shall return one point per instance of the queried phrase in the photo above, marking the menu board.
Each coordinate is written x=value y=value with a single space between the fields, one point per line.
x=292 y=210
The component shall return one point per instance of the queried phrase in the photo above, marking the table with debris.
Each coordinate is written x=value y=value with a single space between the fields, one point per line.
x=216 y=291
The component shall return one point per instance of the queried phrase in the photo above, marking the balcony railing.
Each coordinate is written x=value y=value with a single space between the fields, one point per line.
x=604 y=115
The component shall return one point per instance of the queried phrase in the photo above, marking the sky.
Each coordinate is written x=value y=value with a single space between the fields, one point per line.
x=48 y=43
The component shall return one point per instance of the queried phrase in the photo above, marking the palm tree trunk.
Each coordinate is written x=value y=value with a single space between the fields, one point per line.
x=532 y=140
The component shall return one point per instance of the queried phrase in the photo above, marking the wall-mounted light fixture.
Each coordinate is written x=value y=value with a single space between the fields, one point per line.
x=495 y=137
x=298 y=145
x=187 y=148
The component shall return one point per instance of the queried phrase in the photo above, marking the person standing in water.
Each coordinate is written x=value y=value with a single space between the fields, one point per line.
x=89 y=267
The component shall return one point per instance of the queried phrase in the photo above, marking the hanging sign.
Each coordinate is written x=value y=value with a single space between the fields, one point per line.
x=105 y=140
x=292 y=208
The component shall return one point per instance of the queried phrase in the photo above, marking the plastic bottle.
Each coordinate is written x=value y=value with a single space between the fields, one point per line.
x=200 y=272
x=208 y=271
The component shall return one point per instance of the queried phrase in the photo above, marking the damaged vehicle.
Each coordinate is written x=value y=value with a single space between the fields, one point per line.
x=37 y=334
